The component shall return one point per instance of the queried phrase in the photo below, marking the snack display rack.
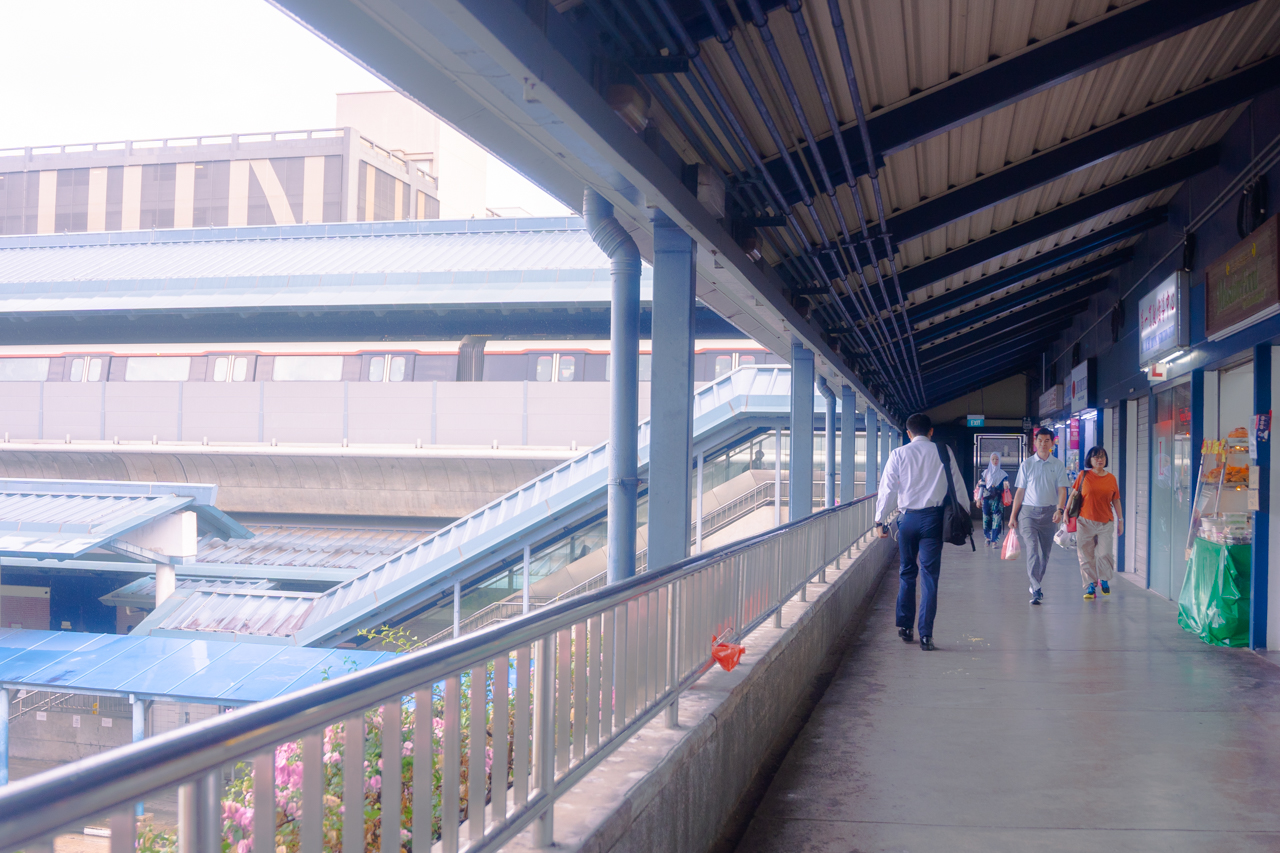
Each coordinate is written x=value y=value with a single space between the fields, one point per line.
x=1221 y=511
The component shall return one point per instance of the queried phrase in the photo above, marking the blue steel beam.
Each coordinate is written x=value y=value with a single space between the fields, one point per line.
x=1006 y=81
x=979 y=372
x=1155 y=121
x=1035 y=265
x=1059 y=218
x=940 y=395
x=995 y=339
x=1015 y=323
x=1018 y=298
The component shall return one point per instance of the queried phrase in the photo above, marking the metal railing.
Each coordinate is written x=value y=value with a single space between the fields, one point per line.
x=574 y=681
x=29 y=701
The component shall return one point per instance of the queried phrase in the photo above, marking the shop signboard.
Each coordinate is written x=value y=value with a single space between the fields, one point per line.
x=1164 y=319
x=1051 y=400
x=1080 y=391
x=1074 y=441
x=1243 y=287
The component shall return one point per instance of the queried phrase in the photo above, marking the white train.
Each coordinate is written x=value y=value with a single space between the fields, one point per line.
x=472 y=359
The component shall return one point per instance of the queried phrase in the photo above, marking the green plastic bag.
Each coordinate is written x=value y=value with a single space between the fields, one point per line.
x=1214 y=604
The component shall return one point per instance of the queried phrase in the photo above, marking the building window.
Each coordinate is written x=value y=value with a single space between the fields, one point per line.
x=71 y=203
x=307 y=368
x=333 y=188
x=212 y=194
x=115 y=197
x=165 y=368
x=289 y=172
x=19 y=202
x=24 y=369
x=159 y=185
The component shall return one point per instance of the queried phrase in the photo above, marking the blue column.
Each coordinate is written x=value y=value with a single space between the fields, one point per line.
x=873 y=449
x=1261 y=517
x=671 y=392
x=4 y=736
x=1122 y=468
x=1197 y=428
x=848 y=443
x=884 y=446
x=801 y=470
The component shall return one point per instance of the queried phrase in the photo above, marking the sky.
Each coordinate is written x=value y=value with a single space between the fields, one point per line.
x=101 y=70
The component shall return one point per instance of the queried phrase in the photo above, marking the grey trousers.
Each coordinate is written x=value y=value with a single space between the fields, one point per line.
x=1036 y=527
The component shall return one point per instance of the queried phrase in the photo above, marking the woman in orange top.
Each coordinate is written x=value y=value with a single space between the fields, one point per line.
x=1101 y=519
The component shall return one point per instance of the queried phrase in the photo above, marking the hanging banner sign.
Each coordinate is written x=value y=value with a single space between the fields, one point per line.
x=1081 y=392
x=1243 y=286
x=1051 y=400
x=1164 y=319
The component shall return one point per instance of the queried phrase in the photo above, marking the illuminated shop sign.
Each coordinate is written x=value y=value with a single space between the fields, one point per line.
x=1163 y=319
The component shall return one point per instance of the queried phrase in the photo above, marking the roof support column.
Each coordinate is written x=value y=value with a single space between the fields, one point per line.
x=829 y=444
x=885 y=445
x=4 y=735
x=671 y=392
x=801 y=469
x=624 y=376
x=872 y=450
x=139 y=731
x=848 y=443
x=166 y=582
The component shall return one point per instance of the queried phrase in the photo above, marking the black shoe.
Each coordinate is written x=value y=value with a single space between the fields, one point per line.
x=1037 y=597
x=926 y=644
x=905 y=634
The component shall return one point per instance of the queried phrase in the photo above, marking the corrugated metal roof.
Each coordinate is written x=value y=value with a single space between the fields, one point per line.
x=317 y=546
x=506 y=267
x=184 y=668
x=60 y=519
x=142 y=592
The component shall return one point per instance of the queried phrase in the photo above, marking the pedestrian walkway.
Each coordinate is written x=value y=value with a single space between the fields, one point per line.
x=1076 y=725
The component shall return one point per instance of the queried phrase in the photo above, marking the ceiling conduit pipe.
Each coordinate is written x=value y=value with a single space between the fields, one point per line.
x=846 y=58
x=725 y=37
x=737 y=131
x=624 y=376
x=761 y=22
x=806 y=41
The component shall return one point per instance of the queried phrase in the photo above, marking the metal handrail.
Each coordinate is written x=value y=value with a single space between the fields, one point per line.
x=611 y=659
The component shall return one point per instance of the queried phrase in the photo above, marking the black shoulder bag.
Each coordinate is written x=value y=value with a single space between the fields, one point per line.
x=957 y=524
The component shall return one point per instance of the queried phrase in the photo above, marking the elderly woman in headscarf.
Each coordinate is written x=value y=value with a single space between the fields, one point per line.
x=992 y=486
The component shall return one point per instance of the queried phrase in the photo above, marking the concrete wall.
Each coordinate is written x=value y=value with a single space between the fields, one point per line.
x=679 y=789
x=421 y=486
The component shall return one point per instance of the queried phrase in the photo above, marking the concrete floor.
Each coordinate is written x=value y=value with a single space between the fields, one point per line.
x=1076 y=725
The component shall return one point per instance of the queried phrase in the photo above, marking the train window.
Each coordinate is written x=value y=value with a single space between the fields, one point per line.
x=24 y=369
x=166 y=368
x=377 y=365
x=543 y=372
x=79 y=366
x=230 y=369
x=441 y=368
x=95 y=370
x=646 y=368
x=505 y=368
x=307 y=368
x=724 y=363
x=396 y=373
x=568 y=367
x=744 y=359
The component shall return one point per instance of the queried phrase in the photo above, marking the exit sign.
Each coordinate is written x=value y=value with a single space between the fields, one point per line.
x=975 y=420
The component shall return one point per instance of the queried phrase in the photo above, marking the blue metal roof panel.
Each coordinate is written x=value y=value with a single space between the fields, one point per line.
x=182 y=668
x=45 y=526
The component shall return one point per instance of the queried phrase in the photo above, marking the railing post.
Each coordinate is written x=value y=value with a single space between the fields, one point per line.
x=4 y=736
x=544 y=740
x=208 y=829
x=673 y=667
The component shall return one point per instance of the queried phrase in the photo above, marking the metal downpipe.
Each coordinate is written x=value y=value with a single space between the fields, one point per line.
x=829 y=494
x=624 y=376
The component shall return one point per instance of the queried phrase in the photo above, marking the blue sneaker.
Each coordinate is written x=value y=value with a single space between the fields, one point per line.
x=1090 y=593
x=1037 y=596
x=1106 y=590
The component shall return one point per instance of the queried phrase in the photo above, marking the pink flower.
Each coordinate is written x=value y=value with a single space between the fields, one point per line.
x=245 y=846
x=406 y=748
x=373 y=784
x=332 y=758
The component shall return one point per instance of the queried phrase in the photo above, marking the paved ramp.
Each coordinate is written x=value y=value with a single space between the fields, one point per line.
x=1073 y=726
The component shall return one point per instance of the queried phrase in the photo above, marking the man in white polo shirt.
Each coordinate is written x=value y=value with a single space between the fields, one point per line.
x=1038 y=506
x=914 y=474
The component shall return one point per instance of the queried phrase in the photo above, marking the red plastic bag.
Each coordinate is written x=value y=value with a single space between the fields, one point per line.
x=1007 y=500
x=727 y=654
x=1012 y=547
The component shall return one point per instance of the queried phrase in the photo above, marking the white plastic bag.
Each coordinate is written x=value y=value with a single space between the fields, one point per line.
x=1012 y=548
x=1065 y=538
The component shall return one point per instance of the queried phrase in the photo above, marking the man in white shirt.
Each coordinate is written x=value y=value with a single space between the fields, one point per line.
x=915 y=474
x=1038 y=506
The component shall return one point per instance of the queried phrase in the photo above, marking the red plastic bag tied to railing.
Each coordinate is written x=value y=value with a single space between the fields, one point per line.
x=727 y=654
